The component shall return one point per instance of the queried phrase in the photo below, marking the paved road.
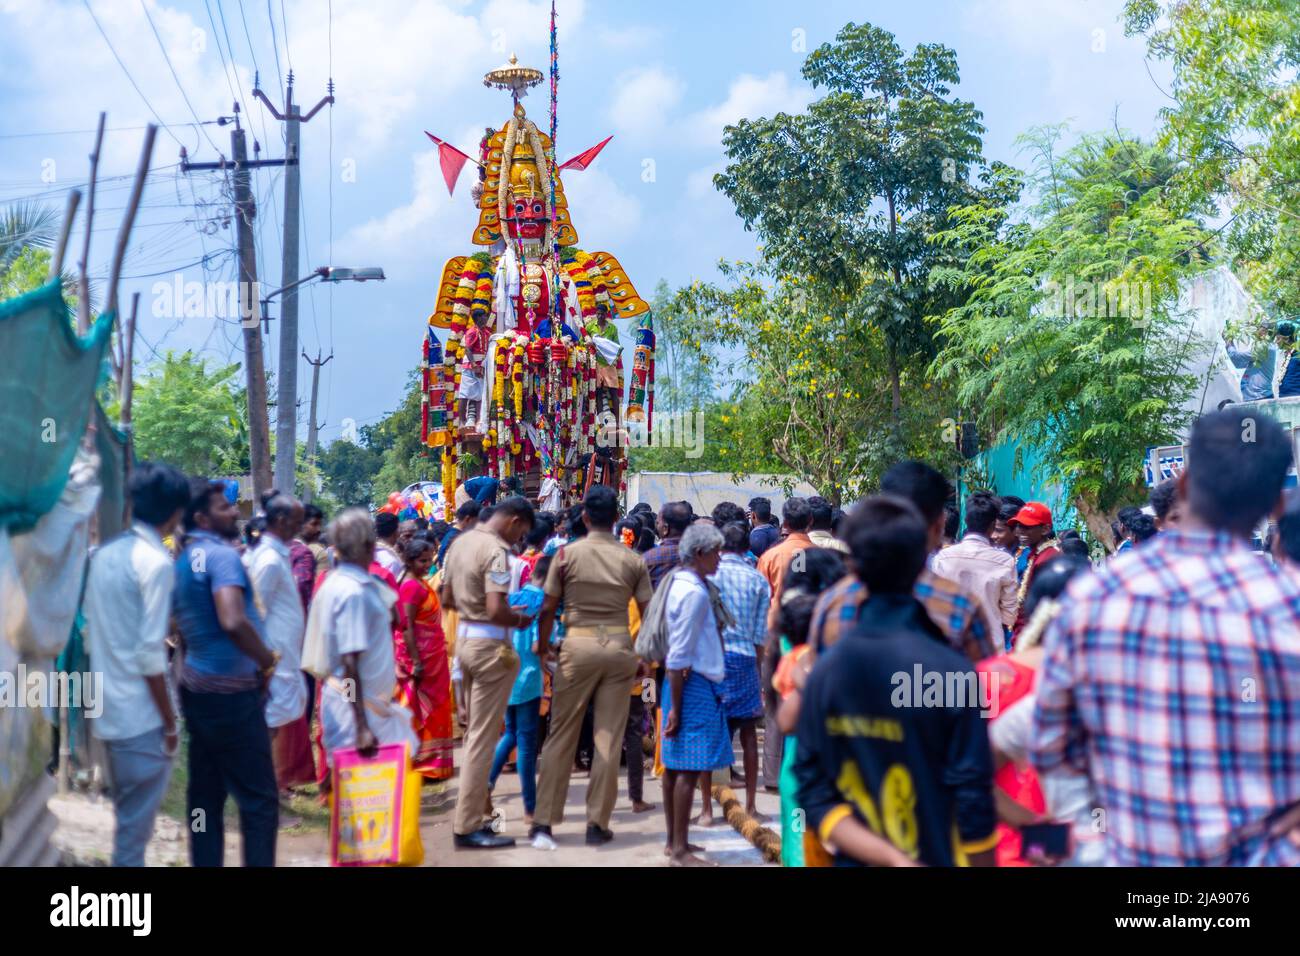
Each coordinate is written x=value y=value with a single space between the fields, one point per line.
x=85 y=833
x=638 y=837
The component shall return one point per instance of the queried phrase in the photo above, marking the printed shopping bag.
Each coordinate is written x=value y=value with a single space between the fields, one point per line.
x=375 y=809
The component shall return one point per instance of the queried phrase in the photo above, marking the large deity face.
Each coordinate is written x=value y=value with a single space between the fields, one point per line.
x=526 y=216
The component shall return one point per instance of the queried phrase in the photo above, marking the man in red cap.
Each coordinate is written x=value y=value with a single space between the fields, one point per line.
x=1033 y=525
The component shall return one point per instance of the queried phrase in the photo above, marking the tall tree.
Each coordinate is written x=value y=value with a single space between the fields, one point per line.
x=349 y=470
x=1069 y=339
x=848 y=192
x=808 y=398
x=1236 y=100
x=188 y=415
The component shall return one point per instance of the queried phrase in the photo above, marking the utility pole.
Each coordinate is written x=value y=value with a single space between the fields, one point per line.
x=312 y=426
x=286 y=421
x=259 y=428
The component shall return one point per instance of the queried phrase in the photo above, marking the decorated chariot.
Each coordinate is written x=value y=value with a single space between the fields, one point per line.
x=530 y=380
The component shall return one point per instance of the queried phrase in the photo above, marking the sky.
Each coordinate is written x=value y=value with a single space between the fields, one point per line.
x=663 y=78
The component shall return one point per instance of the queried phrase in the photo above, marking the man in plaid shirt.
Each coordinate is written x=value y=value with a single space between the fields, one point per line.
x=674 y=518
x=955 y=610
x=746 y=595
x=1172 y=677
x=949 y=606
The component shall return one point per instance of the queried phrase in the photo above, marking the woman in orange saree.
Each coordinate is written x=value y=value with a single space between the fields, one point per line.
x=423 y=675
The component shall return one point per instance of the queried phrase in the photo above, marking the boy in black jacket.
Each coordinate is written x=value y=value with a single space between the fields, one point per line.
x=894 y=765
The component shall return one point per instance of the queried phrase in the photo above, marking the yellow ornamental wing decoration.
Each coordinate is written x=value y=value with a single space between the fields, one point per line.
x=441 y=317
x=622 y=293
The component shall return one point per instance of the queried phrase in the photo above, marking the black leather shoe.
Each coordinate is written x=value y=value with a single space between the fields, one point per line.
x=537 y=828
x=483 y=839
x=597 y=836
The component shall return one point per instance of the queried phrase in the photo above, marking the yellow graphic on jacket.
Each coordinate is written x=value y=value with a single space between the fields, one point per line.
x=897 y=823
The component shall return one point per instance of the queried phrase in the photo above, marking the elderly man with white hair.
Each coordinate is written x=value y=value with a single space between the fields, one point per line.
x=349 y=644
x=695 y=737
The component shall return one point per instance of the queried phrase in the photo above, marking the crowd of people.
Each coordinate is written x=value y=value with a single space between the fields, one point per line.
x=923 y=681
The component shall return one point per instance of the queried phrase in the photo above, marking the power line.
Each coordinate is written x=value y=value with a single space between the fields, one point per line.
x=275 y=48
x=226 y=68
x=107 y=129
x=86 y=4
x=285 y=21
x=185 y=96
x=201 y=261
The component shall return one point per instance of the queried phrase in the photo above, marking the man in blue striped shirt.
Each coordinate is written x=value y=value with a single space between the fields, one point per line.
x=746 y=595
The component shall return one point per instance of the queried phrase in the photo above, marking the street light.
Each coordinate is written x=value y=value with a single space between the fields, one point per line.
x=286 y=427
x=343 y=274
x=329 y=274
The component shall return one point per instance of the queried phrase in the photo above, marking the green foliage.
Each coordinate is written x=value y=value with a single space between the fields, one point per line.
x=847 y=194
x=810 y=398
x=1237 y=106
x=683 y=379
x=397 y=438
x=27 y=232
x=1098 y=380
x=191 y=416
x=388 y=457
x=349 y=470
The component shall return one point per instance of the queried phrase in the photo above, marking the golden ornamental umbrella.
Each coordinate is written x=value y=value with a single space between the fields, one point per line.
x=513 y=77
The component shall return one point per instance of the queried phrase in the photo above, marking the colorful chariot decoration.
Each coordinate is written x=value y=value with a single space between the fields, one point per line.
x=530 y=380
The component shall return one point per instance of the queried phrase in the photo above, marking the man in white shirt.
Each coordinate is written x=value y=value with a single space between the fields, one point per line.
x=128 y=603
x=277 y=594
x=550 y=496
x=695 y=737
x=819 y=530
x=349 y=645
x=386 y=527
x=983 y=570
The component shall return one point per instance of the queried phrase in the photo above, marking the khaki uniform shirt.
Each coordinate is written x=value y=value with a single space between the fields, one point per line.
x=477 y=564
x=596 y=577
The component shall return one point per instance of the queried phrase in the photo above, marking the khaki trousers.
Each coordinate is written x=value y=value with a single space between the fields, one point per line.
x=488 y=669
x=599 y=663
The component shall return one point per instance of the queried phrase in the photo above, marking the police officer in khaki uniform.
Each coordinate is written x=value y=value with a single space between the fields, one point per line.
x=475 y=583
x=596 y=577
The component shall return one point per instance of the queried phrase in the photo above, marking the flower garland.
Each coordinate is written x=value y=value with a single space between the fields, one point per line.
x=502 y=431
x=503 y=184
x=543 y=169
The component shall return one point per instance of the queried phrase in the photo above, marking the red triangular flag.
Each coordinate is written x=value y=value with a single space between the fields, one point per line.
x=585 y=158
x=451 y=160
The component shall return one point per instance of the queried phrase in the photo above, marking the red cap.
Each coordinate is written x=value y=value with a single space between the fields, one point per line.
x=1034 y=513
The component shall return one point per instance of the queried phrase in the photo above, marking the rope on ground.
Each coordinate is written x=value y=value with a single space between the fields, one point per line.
x=767 y=842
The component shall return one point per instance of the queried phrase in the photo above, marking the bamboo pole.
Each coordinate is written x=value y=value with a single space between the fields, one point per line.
x=132 y=205
x=83 y=281
x=126 y=391
x=56 y=260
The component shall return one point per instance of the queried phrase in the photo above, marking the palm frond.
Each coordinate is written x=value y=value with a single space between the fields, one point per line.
x=25 y=224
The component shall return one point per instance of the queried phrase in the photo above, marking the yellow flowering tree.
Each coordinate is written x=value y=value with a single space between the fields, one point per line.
x=808 y=381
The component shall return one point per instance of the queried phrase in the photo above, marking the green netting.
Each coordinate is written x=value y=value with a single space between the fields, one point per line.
x=111 y=446
x=48 y=378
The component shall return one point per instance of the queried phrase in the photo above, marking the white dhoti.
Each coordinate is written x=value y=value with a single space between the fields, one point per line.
x=388 y=721
x=288 y=697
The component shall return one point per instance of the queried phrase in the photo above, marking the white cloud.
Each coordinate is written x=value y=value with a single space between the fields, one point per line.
x=604 y=214
x=403 y=234
x=748 y=97
x=643 y=99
